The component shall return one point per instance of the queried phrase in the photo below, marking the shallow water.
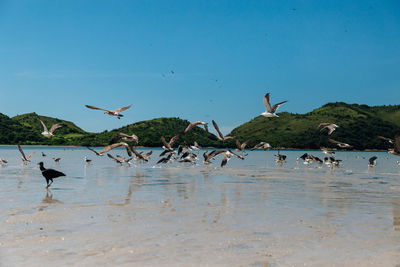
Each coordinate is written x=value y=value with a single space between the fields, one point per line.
x=249 y=213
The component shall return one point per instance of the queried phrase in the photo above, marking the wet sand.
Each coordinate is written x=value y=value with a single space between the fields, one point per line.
x=252 y=213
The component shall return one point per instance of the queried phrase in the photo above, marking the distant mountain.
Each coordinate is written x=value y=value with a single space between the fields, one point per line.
x=359 y=126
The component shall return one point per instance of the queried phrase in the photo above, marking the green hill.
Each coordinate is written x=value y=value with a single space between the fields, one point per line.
x=13 y=132
x=359 y=126
x=66 y=135
x=150 y=132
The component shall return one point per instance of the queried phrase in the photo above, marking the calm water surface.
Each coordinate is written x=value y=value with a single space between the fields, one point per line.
x=249 y=213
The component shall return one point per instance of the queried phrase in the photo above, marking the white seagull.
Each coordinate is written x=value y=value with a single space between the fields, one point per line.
x=111 y=112
x=49 y=133
x=328 y=125
x=340 y=144
x=192 y=124
x=270 y=111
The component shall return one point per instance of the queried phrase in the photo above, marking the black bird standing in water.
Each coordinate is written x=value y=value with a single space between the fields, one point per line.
x=49 y=174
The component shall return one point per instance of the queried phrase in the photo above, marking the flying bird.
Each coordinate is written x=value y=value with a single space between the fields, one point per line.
x=49 y=133
x=327 y=125
x=262 y=145
x=195 y=146
x=208 y=157
x=192 y=124
x=270 y=111
x=165 y=159
x=169 y=146
x=396 y=149
x=124 y=160
x=24 y=159
x=327 y=152
x=386 y=139
x=126 y=137
x=3 y=161
x=110 y=147
x=241 y=146
x=49 y=174
x=87 y=160
x=111 y=112
x=227 y=156
x=139 y=156
x=56 y=159
x=220 y=136
x=340 y=144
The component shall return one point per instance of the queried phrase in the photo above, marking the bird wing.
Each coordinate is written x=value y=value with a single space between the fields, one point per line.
x=215 y=153
x=22 y=152
x=44 y=126
x=94 y=151
x=148 y=154
x=266 y=103
x=190 y=126
x=276 y=106
x=137 y=154
x=55 y=127
x=224 y=160
x=30 y=155
x=331 y=127
x=372 y=159
x=164 y=142
x=206 y=127
x=128 y=151
x=173 y=139
x=256 y=147
x=322 y=125
x=111 y=157
x=236 y=155
x=93 y=107
x=238 y=144
x=217 y=129
x=53 y=173
x=385 y=138
x=122 y=109
x=243 y=145
x=110 y=147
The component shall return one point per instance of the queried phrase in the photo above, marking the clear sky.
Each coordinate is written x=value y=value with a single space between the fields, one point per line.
x=57 y=56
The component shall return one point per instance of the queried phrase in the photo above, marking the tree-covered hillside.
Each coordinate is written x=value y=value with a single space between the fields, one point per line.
x=150 y=132
x=359 y=126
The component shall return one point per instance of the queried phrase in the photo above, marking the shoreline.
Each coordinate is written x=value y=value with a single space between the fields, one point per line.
x=277 y=148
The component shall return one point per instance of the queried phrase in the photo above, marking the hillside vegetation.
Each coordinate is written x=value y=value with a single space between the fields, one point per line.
x=359 y=126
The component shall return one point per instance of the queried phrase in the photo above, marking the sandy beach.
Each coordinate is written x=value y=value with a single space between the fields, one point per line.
x=253 y=213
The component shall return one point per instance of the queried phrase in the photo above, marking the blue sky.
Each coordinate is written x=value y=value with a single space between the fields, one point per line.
x=57 y=56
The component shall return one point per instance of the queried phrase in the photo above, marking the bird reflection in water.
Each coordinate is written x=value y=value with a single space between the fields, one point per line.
x=396 y=214
x=48 y=200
